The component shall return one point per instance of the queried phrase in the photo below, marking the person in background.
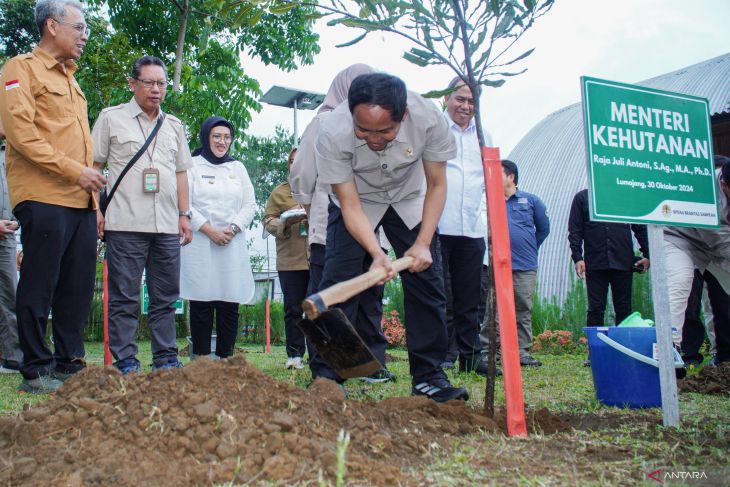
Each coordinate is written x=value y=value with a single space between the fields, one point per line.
x=693 y=331
x=314 y=196
x=292 y=263
x=462 y=229
x=51 y=181
x=215 y=273
x=9 y=344
x=603 y=254
x=148 y=219
x=384 y=154
x=529 y=226
x=707 y=249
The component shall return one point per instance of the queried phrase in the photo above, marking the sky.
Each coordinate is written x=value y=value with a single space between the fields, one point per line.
x=619 y=40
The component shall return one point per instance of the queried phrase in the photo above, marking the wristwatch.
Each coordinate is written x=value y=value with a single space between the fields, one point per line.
x=235 y=228
x=187 y=213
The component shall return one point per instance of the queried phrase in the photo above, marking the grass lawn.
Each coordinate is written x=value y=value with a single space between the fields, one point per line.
x=623 y=448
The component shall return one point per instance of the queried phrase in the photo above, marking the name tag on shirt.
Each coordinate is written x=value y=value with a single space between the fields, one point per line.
x=523 y=201
x=210 y=179
x=151 y=180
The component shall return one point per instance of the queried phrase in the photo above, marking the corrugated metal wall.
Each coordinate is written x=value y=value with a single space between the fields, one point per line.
x=552 y=161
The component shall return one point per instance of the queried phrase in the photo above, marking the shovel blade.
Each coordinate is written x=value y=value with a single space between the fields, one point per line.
x=339 y=344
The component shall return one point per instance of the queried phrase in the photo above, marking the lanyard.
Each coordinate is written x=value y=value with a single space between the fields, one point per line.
x=154 y=145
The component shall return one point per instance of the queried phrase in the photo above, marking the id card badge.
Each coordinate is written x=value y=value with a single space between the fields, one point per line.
x=151 y=180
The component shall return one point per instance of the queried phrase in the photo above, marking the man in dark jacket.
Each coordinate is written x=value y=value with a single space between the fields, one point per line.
x=604 y=253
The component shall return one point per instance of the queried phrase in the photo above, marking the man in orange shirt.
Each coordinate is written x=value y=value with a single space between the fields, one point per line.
x=51 y=180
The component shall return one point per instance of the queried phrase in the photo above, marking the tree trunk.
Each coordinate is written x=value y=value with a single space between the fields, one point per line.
x=491 y=315
x=184 y=11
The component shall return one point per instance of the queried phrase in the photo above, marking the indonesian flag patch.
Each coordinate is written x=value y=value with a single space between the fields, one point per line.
x=9 y=85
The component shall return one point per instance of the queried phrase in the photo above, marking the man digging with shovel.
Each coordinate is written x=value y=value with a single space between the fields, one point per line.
x=390 y=173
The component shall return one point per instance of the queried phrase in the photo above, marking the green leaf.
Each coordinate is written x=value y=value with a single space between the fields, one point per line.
x=415 y=59
x=362 y=24
x=521 y=56
x=422 y=53
x=354 y=41
x=493 y=83
x=438 y=93
x=282 y=8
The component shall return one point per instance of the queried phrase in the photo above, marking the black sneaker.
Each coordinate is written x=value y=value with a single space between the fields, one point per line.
x=530 y=361
x=477 y=364
x=44 y=384
x=61 y=375
x=9 y=368
x=383 y=375
x=440 y=390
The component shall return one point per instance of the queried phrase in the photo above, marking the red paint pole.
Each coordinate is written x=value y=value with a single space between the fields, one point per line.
x=502 y=262
x=268 y=326
x=105 y=291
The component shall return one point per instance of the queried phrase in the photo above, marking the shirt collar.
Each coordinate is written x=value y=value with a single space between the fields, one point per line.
x=453 y=125
x=50 y=62
x=134 y=110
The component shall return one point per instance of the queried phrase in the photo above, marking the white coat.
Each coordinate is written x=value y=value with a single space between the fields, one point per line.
x=220 y=195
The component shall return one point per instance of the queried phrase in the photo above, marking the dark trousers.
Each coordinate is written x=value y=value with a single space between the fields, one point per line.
x=128 y=254
x=424 y=297
x=462 y=259
x=693 y=330
x=597 y=282
x=58 y=269
x=369 y=304
x=201 y=326
x=316 y=267
x=694 y=334
x=294 y=286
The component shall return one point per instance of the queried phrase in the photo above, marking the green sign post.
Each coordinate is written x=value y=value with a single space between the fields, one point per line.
x=179 y=306
x=650 y=161
x=649 y=155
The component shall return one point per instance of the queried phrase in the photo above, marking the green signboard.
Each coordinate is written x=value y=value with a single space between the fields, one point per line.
x=649 y=155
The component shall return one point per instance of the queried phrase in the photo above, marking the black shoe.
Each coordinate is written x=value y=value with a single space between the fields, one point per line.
x=530 y=361
x=477 y=364
x=587 y=362
x=440 y=390
x=383 y=375
x=680 y=372
x=44 y=384
x=62 y=376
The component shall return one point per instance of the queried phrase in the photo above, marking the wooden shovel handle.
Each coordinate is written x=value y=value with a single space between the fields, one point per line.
x=342 y=291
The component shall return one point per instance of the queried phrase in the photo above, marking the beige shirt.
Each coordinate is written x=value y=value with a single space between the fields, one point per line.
x=393 y=177
x=706 y=245
x=292 y=251
x=118 y=134
x=305 y=186
x=48 y=142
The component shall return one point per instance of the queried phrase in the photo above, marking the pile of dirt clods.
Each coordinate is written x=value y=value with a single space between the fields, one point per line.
x=219 y=422
x=710 y=380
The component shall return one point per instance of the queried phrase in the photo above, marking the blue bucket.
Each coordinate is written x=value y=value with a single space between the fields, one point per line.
x=624 y=372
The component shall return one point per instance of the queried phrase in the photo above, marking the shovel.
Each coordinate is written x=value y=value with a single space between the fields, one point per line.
x=332 y=333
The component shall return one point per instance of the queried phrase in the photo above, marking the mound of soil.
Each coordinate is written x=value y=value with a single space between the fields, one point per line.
x=709 y=380
x=219 y=422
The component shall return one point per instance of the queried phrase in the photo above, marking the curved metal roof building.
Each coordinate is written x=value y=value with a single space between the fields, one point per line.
x=552 y=160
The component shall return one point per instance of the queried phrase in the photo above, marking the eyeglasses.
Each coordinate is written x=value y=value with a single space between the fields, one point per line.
x=219 y=137
x=149 y=83
x=81 y=28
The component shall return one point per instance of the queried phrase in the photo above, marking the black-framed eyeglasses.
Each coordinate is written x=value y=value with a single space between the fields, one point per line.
x=79 y=27
x=219 y=137
x=149 y=83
